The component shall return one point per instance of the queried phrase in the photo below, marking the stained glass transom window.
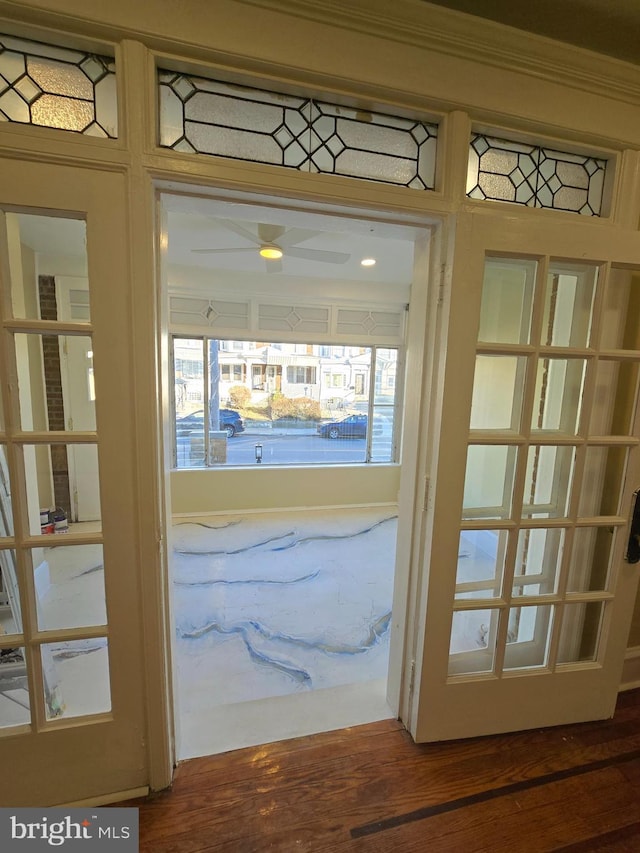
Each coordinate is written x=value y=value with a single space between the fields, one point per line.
x=204 y=116
x=51 y=86
x=502 y=170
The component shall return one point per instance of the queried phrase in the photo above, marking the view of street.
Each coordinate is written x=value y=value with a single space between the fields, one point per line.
x=280 y=450
x=283 y=403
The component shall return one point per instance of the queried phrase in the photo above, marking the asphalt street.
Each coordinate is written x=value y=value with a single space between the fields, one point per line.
x=283 y=450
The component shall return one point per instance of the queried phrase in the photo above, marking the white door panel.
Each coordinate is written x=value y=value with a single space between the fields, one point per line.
x=71 y=708
x=529 y=598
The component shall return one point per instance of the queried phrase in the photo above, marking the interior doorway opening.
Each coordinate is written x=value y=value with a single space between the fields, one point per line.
x=283 y=573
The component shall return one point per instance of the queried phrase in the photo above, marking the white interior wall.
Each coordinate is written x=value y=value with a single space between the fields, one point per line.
x=237 y=489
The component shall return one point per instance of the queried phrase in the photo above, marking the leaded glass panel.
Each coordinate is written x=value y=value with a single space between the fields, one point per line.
x=204 y=116
x=503 y=170
x=50 y=86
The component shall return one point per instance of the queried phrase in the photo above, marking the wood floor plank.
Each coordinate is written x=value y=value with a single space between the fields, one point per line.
x=527 y=792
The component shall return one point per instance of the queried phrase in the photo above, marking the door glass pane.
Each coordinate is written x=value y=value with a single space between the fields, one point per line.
x=14 y=692
x=488 y=485
x=63 y=488
x=602 y=480
x=472 y=646
x=538 y=561
x=548 y=478
x=558 y=397
x=497 y=392
x=480 y=563
x=615 y=398
x=55 y=382
x=10 y=615
x=507 y=295
x=76 y=677
x=69 y=584
x=36 y=245
x=6 y=515
x=580 y=631
x=621 y=314
x=528 y=637
x=568 y=306
x=590 y=559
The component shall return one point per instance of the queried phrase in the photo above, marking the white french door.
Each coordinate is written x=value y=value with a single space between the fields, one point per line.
x=529 y=596
x=72 y=717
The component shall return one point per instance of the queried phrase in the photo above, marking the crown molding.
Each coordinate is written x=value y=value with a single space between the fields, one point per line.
x=435 y=29
x=418 y=23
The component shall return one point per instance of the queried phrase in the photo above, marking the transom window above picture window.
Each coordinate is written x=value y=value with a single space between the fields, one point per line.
x=204 y=116
x=51 y=86
x=283 y=403
x=535 y=176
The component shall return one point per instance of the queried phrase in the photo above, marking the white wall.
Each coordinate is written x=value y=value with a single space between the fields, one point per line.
x=236 y=489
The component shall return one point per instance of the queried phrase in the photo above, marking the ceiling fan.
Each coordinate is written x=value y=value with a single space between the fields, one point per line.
x=273 y=242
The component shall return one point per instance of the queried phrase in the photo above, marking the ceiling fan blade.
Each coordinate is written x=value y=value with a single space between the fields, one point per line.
x=242 y=232
x=318 y=255
x=293 y=236
x=220 y=251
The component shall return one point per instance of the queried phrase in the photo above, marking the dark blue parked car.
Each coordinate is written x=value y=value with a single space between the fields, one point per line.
x=353 y=426
x=230 y=422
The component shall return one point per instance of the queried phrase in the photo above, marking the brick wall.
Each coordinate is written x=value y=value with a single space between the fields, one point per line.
x=53 y=383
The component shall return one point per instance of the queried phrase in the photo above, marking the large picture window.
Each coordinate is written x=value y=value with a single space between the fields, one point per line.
x=250 y=403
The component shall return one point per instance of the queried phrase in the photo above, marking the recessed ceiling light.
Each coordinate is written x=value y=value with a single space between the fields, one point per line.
x=368 y=262
x=272 y=253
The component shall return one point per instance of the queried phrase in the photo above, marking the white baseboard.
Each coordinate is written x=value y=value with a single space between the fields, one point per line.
x=108 y=799
x=263 y=511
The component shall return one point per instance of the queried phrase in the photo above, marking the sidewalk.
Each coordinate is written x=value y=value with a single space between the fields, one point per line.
x=268 y=428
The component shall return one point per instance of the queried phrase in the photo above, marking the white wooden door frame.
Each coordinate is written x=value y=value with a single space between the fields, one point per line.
x=422 y=313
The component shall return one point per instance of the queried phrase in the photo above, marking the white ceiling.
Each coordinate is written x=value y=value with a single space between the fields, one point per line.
x=195 y=223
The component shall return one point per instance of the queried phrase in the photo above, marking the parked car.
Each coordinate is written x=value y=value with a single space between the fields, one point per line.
x=230 y=422
x=353 y=426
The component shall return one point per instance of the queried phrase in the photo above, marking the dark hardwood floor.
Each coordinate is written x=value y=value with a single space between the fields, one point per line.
x=370 y=788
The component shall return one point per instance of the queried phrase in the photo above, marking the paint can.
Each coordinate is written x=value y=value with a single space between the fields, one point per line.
x=46 y=522
x=60 y=522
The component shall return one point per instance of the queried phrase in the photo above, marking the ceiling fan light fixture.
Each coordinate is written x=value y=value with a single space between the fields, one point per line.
x=368 y=262
x=271 y=253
